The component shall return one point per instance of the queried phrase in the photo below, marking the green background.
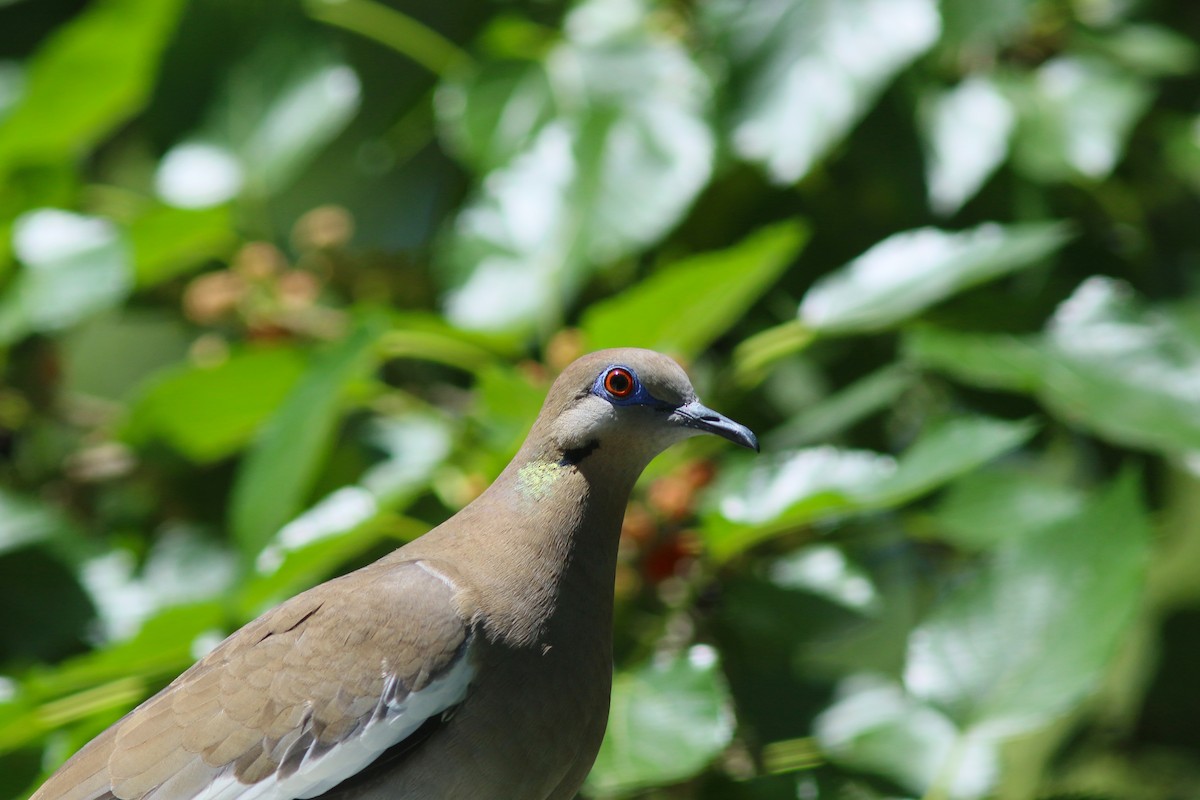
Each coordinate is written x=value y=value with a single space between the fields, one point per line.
x=282 y=285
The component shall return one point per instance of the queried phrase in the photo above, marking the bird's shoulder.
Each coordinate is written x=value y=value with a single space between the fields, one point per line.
x=295 y=701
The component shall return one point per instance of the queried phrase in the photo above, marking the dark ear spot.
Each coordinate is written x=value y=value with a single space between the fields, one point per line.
x=576 y=454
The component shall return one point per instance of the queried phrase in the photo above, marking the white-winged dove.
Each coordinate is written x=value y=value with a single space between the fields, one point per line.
x=474 y=662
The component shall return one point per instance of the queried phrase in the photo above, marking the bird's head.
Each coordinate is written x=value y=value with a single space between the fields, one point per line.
x=629 y=404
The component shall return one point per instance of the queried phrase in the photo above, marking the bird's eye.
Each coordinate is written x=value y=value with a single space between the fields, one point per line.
x=619 y=382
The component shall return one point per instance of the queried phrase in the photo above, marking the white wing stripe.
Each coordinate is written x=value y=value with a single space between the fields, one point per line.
x=321 y=769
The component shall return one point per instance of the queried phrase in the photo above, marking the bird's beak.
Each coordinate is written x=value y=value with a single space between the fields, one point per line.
x=701 y=417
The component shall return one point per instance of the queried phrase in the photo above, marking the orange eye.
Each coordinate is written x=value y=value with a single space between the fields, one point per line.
x=619 y=382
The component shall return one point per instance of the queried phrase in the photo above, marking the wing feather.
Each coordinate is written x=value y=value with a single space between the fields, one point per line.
x=300 y=699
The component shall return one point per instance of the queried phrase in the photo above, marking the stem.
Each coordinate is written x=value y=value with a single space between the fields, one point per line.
x=393 y=28
x=753 y=356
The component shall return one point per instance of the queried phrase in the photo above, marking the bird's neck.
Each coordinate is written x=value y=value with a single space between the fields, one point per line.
x=545 y=531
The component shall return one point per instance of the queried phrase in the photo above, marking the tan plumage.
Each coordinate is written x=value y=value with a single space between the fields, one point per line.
x=477 y=658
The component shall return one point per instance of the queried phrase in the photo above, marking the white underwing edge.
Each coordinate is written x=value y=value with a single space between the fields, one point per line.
x=389 y=726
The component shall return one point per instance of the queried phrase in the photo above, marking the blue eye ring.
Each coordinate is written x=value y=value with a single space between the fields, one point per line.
x=620 y=386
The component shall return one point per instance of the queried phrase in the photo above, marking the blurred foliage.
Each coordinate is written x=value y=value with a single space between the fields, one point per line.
x=282 y=286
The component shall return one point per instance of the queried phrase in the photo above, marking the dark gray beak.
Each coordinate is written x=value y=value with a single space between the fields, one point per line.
x=702 y=418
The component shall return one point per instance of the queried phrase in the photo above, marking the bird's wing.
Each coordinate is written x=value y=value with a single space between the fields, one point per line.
x=294 y=703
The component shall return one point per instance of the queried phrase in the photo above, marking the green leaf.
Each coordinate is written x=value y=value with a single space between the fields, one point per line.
x=982 y=25
x=112 y=355
x=279 y=469
x=1007 y=651
x=280 y=105
x=944 y=452
x=23 y=521
x=1125 y=371
x=12 y=86
x=168 y=242
x=80 y=87
x=987 y=507
x=475 y=109
x=623 y=150
x=1153 y=50
x=48 y=613
x=669 y=719
x=1075 y=116
x=800 y=485
x=908 y=272
x=74 y=266
x=995 y=361
x=875 y=727
x=391 y=27
x=772 y=495
x=683 y=307
x=210 y=412
x=415 y=445
x=1106 y=363
x=824 y=570
x=507 y=403
x=966 y=131
x=808 y=70
x=281 y=572
x=183 y=567
x=837 y=412
x=105 y=681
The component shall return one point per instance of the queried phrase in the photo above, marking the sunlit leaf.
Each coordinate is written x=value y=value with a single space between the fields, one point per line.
x=683 y=307
x=908 y=272
x=1006 y=652
x=80 y=87
x=183 y=567
x=198 y=175
x=1106 y=363
x=802 y=485
x=1076 y=115
x=876 y=727
x=73 y=266
x=479 y=111
x=825 y=571
x=623 y=151
x=24 y=521
x=1127 y=372
x=966 y=131
x=808 y=70
x=669 y=719
x=778 y=493
x=210 y=412
x=280 y=467
x=278 y=107
x=281 y=572
x=415 y=446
